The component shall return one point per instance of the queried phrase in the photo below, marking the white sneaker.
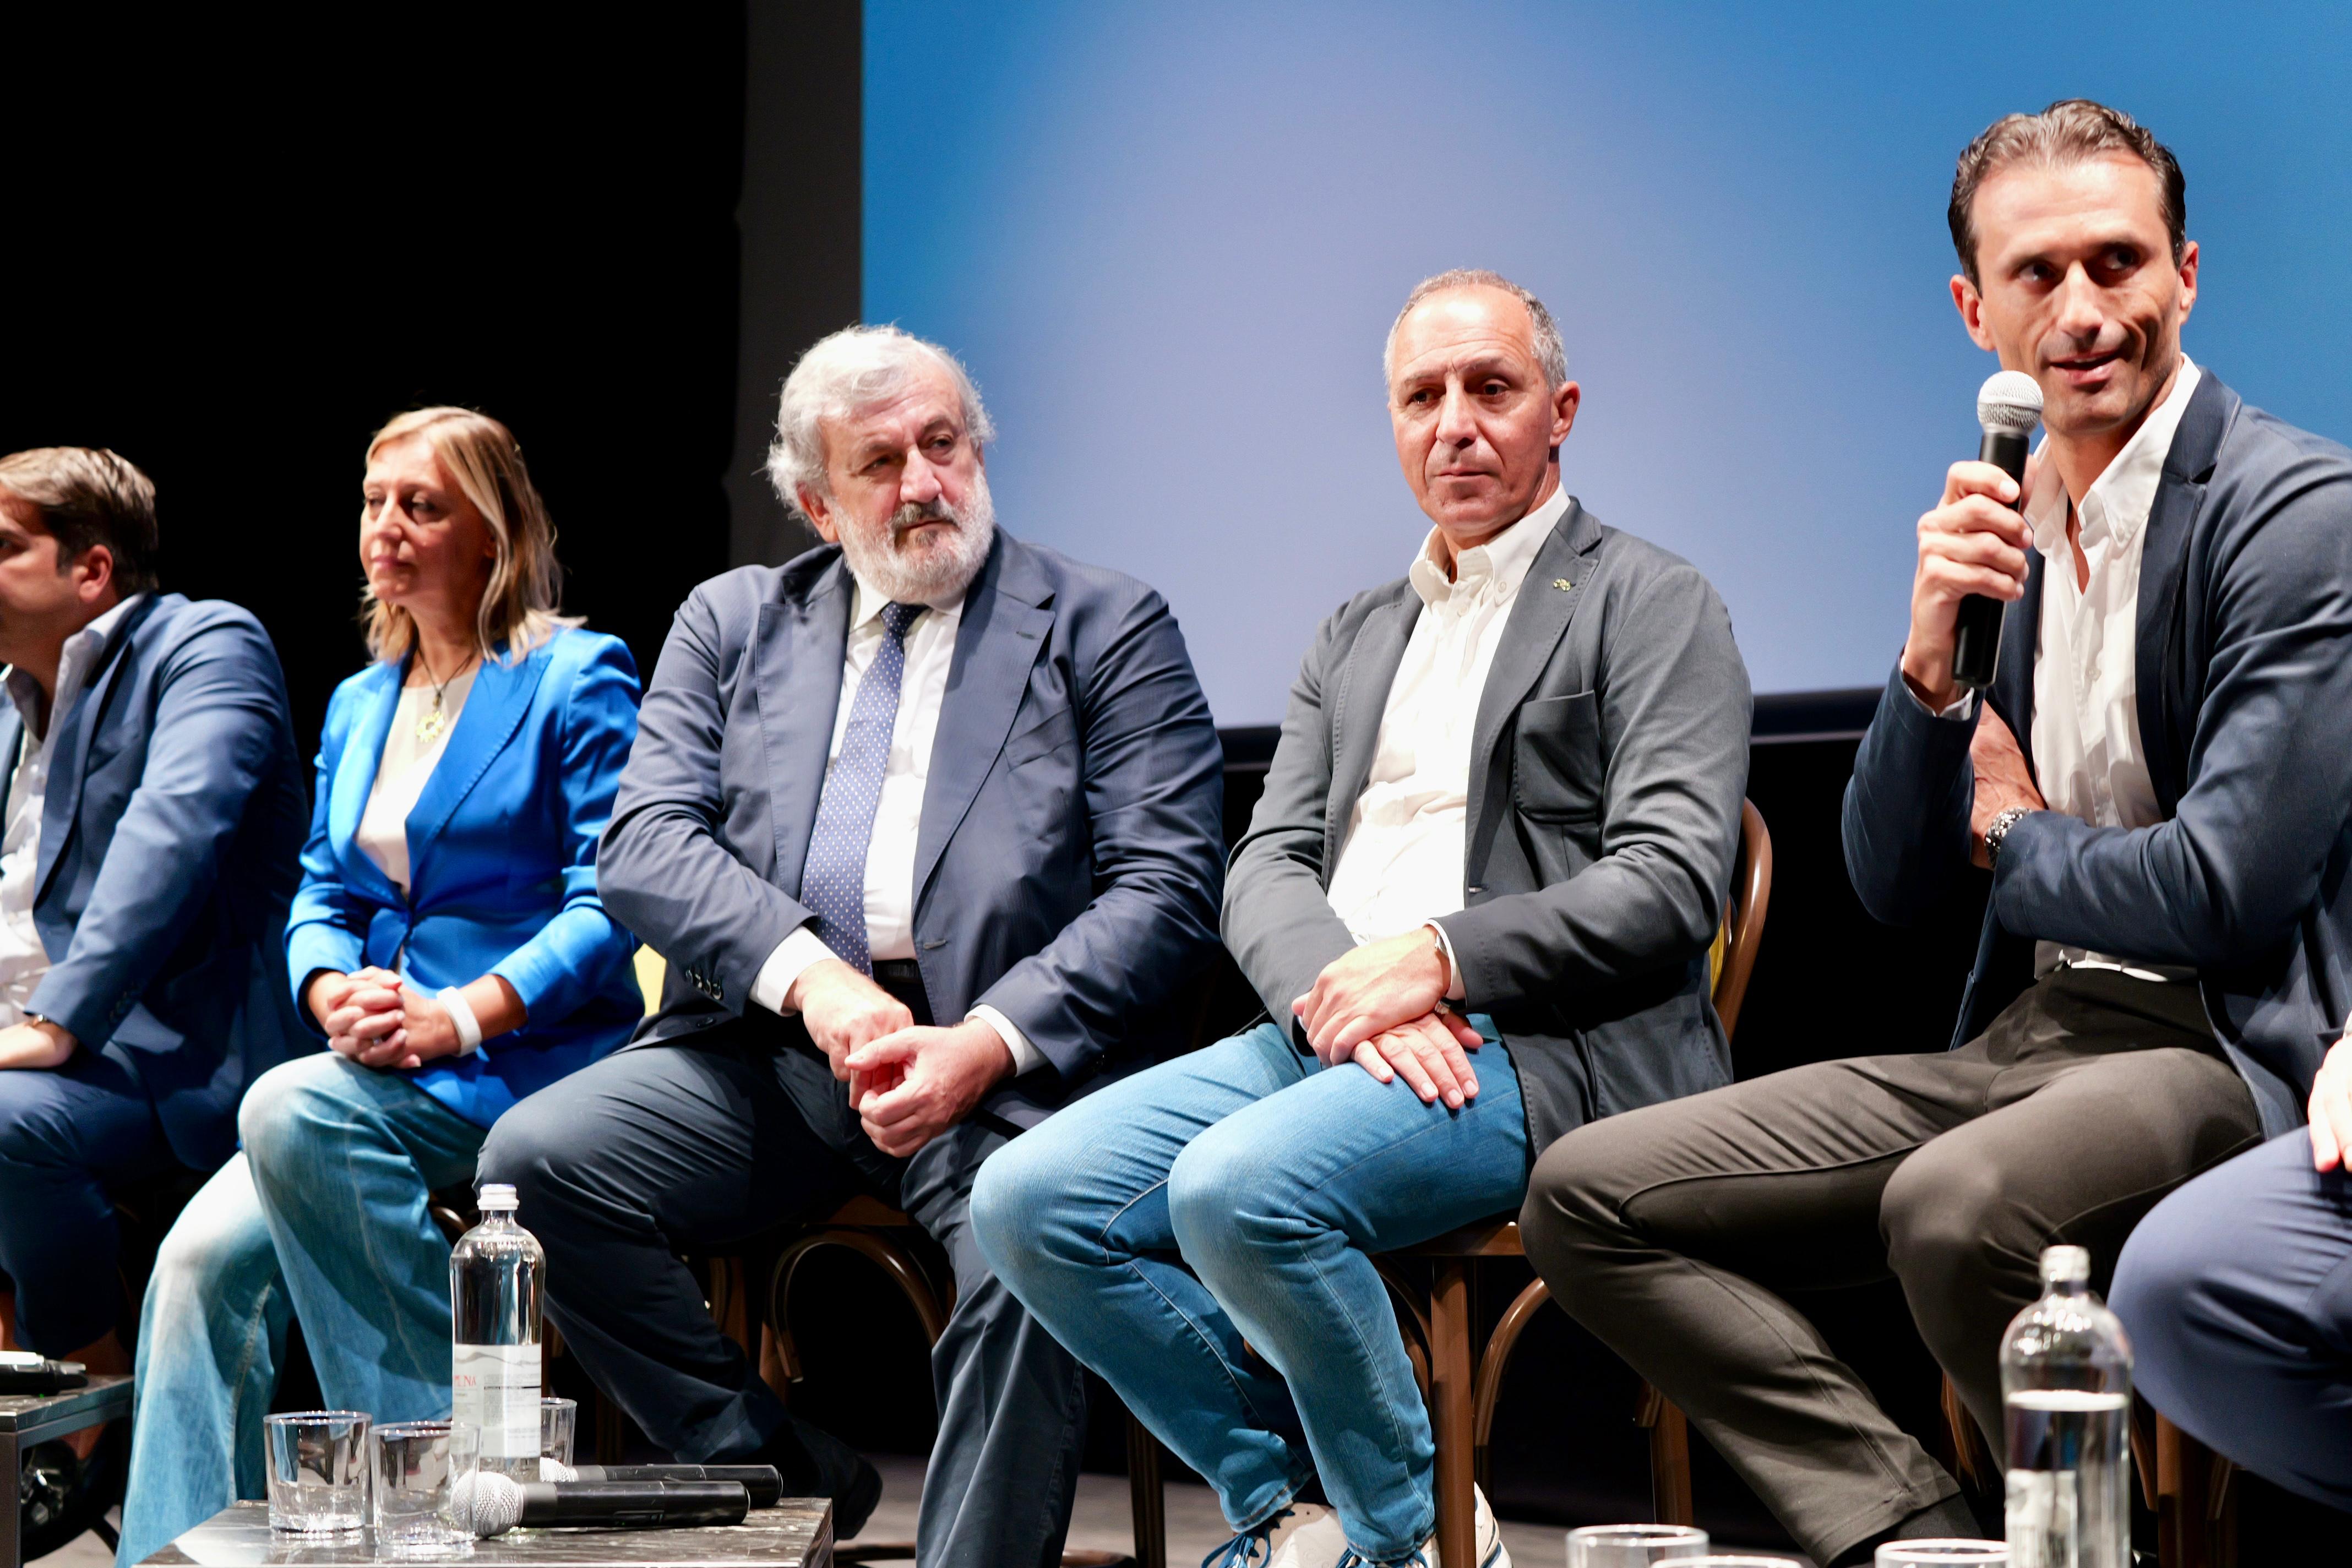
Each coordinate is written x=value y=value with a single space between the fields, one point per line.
x=1304 y=1535
x=1492 y=1554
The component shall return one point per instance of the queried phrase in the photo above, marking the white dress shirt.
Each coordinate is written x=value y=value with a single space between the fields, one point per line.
x=899 y=814
x=403 y=771
x=1401 y=864
x=23 y=959
x=2087 y=752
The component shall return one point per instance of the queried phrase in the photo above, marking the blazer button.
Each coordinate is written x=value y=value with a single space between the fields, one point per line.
x=1475 y=891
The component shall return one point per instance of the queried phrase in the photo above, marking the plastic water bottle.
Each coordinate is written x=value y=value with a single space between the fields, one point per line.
x=2065 y=1384
x=496 y=1278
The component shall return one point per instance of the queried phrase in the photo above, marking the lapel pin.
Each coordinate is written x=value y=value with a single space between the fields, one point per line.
x=1562 y=583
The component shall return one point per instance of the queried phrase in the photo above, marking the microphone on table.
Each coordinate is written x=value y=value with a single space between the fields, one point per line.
x=766 y=1486
x=491 y=1503
x=2008 y=409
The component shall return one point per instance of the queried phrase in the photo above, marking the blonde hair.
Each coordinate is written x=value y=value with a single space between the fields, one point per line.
x=519 y=605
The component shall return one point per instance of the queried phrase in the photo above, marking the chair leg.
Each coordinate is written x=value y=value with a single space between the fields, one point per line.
x=1148 y=1495
x=2191 y=1510
x=1451 y=1397
x=1670 y=1464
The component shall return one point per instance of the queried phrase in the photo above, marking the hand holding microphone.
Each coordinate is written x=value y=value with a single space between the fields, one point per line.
x=1972 y=550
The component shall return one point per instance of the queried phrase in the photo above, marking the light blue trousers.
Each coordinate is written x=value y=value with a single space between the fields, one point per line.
x=1272 y=1182
x=322 y=1215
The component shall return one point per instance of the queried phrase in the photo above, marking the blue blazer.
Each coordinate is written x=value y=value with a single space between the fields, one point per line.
x=168 y=838
x=1067 y=864
x=501 y=855
x=2244 y=652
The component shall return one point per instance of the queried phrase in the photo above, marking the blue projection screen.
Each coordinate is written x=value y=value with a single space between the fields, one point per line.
x=1168 y=240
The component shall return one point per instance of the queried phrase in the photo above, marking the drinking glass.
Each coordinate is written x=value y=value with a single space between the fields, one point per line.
x=1633 y=1545
x=1740 y=1560
x=421 y=1468
x=318 y=1471
x=557 y=1420
x=1945 y=1553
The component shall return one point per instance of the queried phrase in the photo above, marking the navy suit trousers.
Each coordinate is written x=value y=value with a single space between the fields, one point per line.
x=2237 y=1291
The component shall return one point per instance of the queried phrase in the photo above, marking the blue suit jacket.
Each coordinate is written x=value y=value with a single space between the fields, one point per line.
x=501 y=855
x=2244 y=669
x=1068 y=867
x=168 y=838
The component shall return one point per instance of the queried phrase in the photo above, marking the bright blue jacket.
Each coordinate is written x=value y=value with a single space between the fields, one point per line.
x=502 y=862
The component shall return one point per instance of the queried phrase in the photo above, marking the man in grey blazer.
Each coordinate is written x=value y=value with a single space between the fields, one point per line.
x=925 y=823
x=1476 y=899
x=2158 y=782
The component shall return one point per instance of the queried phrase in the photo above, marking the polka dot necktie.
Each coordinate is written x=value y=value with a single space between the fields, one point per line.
x=833 y=879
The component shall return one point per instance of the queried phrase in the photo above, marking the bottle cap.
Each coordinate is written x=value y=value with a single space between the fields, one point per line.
x=2060 y=1265
x=500 y=1195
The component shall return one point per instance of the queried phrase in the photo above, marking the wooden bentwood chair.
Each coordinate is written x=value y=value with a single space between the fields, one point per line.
x=1464 y=1385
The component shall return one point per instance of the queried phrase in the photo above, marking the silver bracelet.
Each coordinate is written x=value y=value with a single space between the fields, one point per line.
x=461 y=1013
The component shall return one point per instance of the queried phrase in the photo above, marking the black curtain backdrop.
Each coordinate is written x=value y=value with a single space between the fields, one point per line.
x=235 y=247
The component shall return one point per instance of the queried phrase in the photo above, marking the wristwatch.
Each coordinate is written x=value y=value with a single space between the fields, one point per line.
x=1999 y=832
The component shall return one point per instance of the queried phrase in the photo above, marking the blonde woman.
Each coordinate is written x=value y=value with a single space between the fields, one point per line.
x=447 y=944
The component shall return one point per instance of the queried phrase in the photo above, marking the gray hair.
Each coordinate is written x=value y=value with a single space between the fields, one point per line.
x=1550 y=352
x=845 y=371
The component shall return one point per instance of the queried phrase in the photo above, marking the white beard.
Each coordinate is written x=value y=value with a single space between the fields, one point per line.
x=938 y=569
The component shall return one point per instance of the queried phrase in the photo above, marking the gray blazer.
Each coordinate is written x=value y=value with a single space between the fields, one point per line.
x=1065 y=868
x=1606 y=773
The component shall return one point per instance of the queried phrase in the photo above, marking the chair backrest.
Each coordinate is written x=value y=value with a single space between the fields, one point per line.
x=1743 y=922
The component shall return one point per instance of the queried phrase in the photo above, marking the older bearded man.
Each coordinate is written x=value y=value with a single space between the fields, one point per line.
x=926 y=822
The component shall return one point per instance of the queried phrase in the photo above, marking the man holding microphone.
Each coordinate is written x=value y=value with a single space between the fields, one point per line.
x=2157 y=779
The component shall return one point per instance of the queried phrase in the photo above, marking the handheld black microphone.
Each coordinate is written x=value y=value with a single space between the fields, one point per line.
x=2008 y=409
x=766 y=1486
x=492 y=1503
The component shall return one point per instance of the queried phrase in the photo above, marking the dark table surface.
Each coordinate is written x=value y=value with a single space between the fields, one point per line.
x=52 y=1414
x=795 y=1533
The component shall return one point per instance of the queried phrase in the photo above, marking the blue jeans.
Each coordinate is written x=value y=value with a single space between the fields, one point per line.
x=1273 y=1180
x=322 y=1215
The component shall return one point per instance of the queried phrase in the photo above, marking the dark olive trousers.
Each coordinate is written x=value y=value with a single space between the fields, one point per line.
x=1672 y=1231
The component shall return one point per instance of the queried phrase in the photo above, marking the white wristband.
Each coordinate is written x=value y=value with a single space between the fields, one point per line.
x=461 y=1013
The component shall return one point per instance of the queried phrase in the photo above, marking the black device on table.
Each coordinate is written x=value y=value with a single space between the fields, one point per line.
x=22 y=1371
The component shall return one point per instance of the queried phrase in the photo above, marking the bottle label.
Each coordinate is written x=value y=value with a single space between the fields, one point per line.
x=495 y=1389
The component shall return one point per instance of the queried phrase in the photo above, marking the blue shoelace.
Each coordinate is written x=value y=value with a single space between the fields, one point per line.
x=1354 y=1559
x=1251 y=1546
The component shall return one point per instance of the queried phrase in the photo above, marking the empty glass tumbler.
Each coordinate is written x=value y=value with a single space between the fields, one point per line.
x=558 y=1420
x=1945 y=1553
x=1633 y=1545
x=318 y=1471
x=420 y=1469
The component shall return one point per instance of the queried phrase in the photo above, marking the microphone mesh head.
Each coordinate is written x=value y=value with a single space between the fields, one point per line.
x=2010 y=400
x=556 y=1470
x=489 y=1503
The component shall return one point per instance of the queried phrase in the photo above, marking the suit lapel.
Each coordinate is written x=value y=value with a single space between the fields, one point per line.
x=355 y=772
x=2021 y=639
x=1546 y=600
x=797 y=666
x=61 y=807
x=494 y=710
x=1363 y=698
x=1007 y=616
x=2164 y=556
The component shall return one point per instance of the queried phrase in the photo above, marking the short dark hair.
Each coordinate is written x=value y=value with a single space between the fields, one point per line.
x=89 y=496
x=2069 y=131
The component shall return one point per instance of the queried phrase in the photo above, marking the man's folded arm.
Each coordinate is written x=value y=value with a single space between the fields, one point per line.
x=661 y=868
x=219 y=712
x=2226 y=878
x=1153 y=780
x=1675 y=698
x=1906 y=816
x=1279 y=920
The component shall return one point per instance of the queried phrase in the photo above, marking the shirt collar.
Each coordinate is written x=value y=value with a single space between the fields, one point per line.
x=73 y=668
x=869 y=604
x=1499 y=566
x=2118 y=502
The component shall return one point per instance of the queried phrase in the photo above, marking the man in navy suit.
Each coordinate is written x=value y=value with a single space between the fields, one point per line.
x=2158 y=783
x=152 y=815
x=927 y=824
